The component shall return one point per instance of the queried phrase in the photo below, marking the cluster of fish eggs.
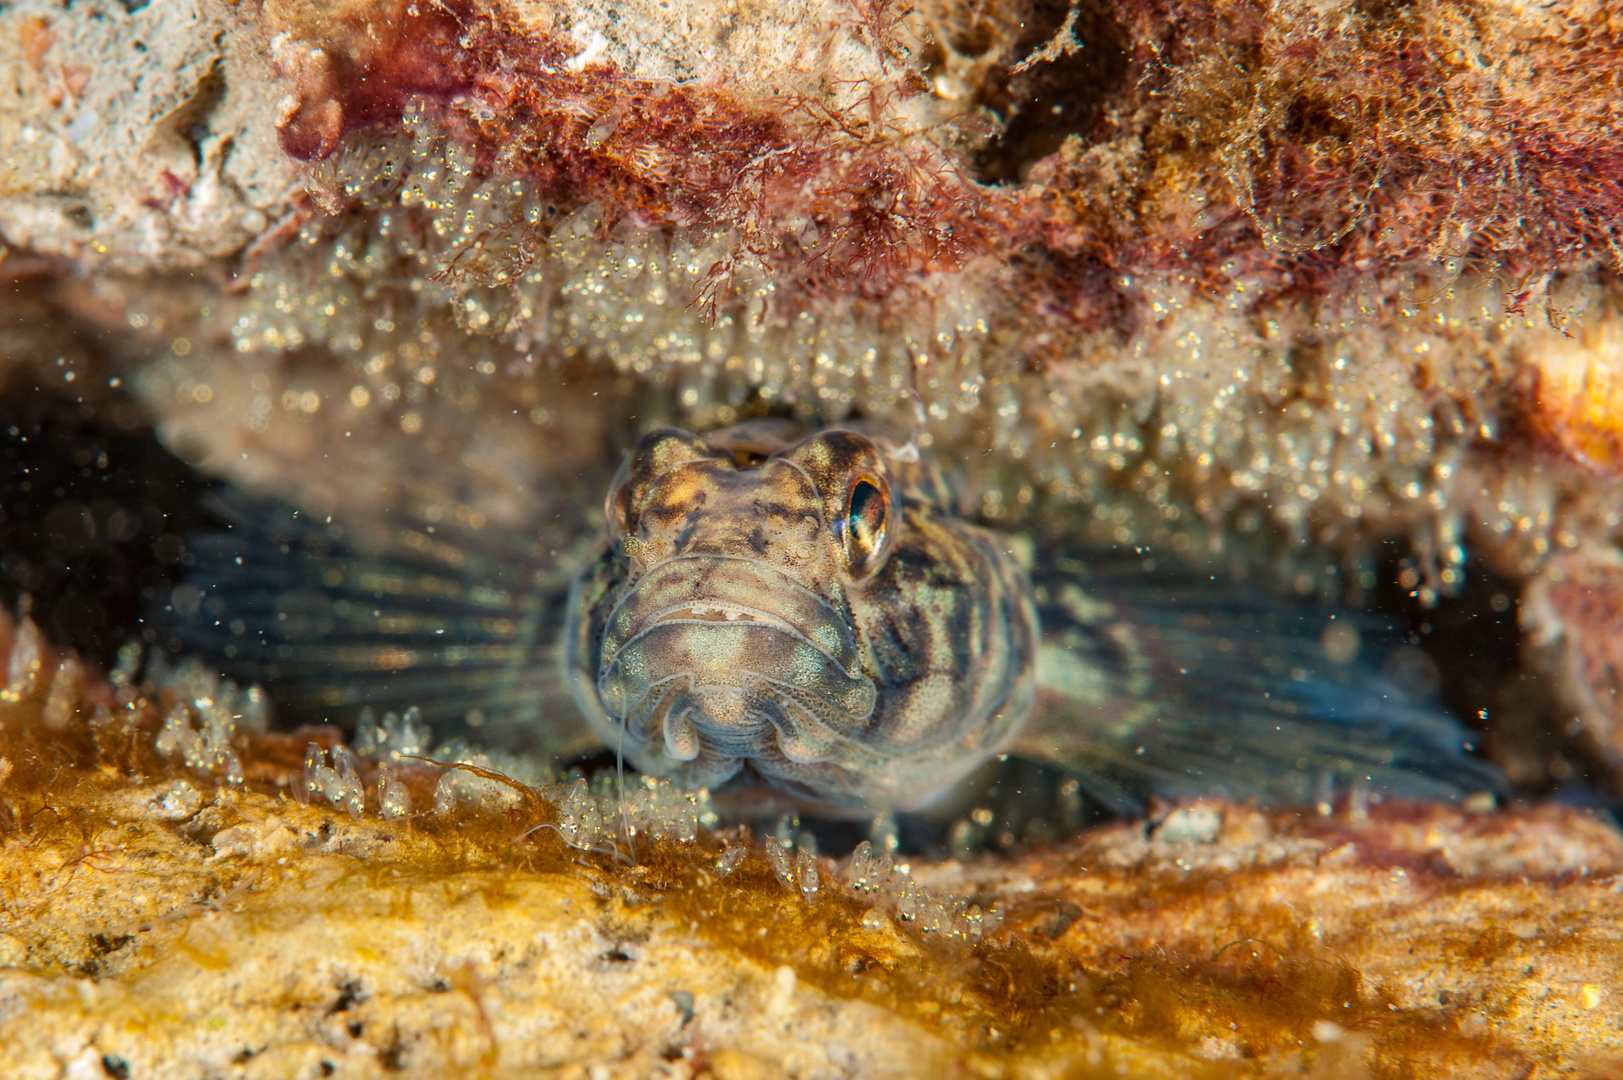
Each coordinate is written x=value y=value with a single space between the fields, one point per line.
x=597 y=814
x=592 y=814
x=427 y=242
x=874 y=877
x=1330 y=422
x=203 y=713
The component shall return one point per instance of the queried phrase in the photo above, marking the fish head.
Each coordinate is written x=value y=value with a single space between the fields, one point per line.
x=719 y=632
x=822 y=511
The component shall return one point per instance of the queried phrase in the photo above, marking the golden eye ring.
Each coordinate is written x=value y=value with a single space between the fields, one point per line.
x=866 y=527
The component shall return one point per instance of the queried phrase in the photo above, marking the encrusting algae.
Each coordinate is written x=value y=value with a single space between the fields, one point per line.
x=168 y=917
x=1262 y=264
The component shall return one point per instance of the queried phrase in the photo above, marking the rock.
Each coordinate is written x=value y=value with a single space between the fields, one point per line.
x=138 y=138
x=260 y=937
x=1573 y=614
x=1223 y=341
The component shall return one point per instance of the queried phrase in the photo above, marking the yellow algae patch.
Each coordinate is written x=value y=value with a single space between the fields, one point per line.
x=232 y=930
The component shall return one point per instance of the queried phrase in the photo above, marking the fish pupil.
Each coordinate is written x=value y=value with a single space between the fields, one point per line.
x=865 y=521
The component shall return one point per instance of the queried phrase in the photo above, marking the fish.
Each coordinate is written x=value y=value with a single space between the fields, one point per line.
x=807 y=612
x=812 y=615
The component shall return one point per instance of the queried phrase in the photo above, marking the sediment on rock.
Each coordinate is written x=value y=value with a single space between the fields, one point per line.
x=171 y=914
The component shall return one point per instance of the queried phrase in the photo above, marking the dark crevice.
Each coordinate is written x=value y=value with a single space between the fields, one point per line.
x=1308 y=121
x=91 y=516
x=1047 y=103
x=392 y=1055
x=1475 y=641
x=350 y=993
x=191 y=121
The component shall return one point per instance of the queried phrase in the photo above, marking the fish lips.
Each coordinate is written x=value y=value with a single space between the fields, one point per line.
x=730 y=657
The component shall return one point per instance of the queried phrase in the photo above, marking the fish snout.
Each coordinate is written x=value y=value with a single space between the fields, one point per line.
x=716 y=658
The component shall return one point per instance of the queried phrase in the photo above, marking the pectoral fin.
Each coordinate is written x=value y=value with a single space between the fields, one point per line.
x=1156 y=682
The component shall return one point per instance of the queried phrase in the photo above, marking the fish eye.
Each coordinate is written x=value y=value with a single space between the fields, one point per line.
x=867 y=519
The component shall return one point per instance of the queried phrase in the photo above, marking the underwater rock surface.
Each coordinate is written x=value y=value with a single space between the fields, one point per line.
x=165 y=920
x=1193 y=268
x=1327 y=294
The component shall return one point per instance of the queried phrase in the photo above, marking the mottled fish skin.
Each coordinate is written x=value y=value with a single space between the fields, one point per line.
x=807 y=614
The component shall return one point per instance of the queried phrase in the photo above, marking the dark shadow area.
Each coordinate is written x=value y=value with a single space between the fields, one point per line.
x=1475 y=642
x=1050 y=101
x=92 y=516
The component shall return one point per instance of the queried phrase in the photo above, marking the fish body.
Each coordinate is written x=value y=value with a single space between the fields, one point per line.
x=805 y=612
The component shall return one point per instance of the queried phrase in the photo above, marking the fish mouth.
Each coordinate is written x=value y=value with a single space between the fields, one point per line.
x=713 y=661
x=700 y=589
